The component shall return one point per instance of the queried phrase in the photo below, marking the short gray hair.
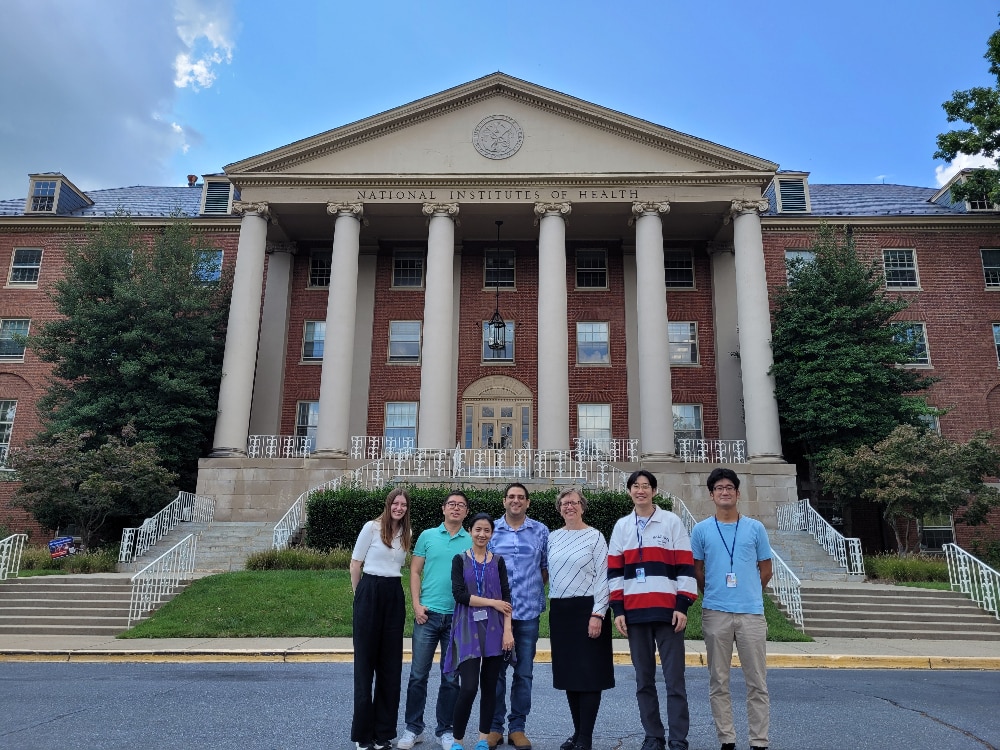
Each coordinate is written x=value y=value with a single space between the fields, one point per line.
x=571 y=491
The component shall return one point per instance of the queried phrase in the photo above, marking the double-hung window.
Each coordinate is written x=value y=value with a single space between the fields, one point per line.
x=208 y=266
x=7 y=411
x=594 y=423
x=687 y=422
x=12 y=334
x=996 y=340
x=678 y=269
x=991 y=267
x=320 y=264
x=900 y=269
x=683 y=343
x=592 y=344
x=498 y=269
x=401 y=423
x=43 y=195
x=404 y=341
x=408 y=269
x=314 y=341
x=24 y=266
x=498 y=355
x=592 y=268
x=914 y=334
x=306 y=419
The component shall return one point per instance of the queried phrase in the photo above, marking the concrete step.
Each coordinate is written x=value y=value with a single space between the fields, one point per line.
x=941 y=634
x=107 y=630
x=222 y=545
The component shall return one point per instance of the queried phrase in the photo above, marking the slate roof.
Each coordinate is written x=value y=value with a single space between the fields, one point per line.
x=869 y=200
x=136 y=201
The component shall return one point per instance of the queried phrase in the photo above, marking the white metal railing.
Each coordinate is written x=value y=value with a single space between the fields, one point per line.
x=974 y=578
x=788 y=588
x=686 y=516
x=612 y=449
x=10 y=555
x=186 y=506
x=154 y=583
x=712 y=451
x=279 y=446
x=801 y=516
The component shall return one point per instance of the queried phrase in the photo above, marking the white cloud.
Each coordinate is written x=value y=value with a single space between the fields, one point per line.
x=944 y=172
x=205 y=28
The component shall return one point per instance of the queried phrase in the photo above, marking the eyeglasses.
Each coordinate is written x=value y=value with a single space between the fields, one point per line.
x=642 y=486
x=570 y=503
x=724 y=488
x=456 y=505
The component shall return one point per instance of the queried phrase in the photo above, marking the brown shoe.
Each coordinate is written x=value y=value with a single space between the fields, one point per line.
x=493 y=739
x=519 y=740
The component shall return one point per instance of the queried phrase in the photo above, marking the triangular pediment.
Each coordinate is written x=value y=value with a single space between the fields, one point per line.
x=499 y=125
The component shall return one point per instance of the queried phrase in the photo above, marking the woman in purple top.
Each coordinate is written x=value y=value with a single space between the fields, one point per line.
x=481 y=631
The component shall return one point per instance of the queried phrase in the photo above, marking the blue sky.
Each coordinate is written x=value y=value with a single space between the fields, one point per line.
x=129 y=92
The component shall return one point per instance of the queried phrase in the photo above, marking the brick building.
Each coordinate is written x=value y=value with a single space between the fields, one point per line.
x=377 y=302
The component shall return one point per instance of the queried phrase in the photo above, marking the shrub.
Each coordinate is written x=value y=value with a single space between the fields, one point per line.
x=103 y=560
x=300 y=558
x=898 y=568
x=988 y=552
x=335 y=517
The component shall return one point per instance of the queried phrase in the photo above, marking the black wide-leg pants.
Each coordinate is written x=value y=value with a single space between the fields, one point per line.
x=379 y=615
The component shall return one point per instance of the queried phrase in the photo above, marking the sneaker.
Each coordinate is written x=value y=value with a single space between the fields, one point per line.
x=363 y=745
x=653 y=743
x=493 y=739
x=456 y=746
x=383 y=745
x=447 y=740
x=568 y=744
x=408 y=739
x=519 y=740
x=728 y=746
x=482 y=745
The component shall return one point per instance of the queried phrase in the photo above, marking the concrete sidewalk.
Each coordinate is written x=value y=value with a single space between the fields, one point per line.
x=844 y=653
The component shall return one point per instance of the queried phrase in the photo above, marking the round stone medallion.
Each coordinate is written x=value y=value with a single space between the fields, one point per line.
x=497 y=137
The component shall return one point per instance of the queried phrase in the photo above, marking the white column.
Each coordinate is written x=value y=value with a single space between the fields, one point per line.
x=553 y=328
x=728 y=385
x=265 y=411
x=333 y=428
x=754 y=320
x=236 y=388
x=656 y=439
x=436 y=416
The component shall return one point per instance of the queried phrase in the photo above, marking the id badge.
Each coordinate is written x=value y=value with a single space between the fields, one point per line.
x=479 y=615
x=640 y=575
x=731 y=580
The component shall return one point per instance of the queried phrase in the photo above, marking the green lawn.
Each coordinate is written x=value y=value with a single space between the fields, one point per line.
x=936 y=585
x=312 y=603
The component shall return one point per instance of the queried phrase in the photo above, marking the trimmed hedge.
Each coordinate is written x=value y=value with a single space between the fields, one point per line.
x=898 y=569
x=334 y=517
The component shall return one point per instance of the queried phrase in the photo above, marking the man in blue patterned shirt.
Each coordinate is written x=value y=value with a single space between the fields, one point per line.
x=523 y=544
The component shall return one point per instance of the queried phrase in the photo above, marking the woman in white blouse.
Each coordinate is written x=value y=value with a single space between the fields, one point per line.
x=579 y=629
x=379 y=615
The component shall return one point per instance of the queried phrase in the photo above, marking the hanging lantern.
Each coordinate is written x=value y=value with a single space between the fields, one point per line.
x=498 y=328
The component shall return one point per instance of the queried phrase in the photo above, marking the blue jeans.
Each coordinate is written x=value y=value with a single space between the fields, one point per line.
x=525 y=641
x=426 y=638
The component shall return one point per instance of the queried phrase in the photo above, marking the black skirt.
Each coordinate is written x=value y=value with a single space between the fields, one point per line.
x=579 y=662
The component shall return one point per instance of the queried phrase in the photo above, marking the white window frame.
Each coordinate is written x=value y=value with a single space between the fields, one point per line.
x=996 y=340
x=306 y=419
x=898 y=266
x=489 y=356
x=401 y=420
x=28 y=266
x=688 y=421
x=213 y=203
x=903 y=328
x=793 y=253
x=320 y=268
x=310 y=340
x=505 y=256
x=7 y=333
x=991 y=272
x=596 y=267
x=593 y=333
x=214 y=265
x=682 y=343
x=44 y=192
x=593 y=422
x=8 y=412
x=401 y=334
x=677 y=256
x=400 y=273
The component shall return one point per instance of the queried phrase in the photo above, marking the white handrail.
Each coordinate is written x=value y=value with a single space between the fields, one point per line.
x=10 y=555
x=788 y=589
x=152 y=584
x=974 y=578
x=699 y=450
x=801 y=516
x=187 y=506
x=686 y=516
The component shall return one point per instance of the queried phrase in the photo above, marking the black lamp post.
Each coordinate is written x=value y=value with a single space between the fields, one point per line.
x=498 y=328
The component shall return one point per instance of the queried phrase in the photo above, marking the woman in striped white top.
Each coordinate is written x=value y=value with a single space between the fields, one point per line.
x=579 y=629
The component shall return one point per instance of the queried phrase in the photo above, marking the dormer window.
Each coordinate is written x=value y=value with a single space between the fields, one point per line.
x=792 y=195
x=43 y=195
x=217 y=198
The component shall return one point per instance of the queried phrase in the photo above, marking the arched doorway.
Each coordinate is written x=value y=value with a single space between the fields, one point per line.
x=496 y=414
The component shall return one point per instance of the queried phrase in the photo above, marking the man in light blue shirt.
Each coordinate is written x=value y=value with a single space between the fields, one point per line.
x=523 y=544
x=732 y=564
x=433 y=606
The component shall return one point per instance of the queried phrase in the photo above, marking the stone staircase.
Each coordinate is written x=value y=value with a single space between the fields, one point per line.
x=805 y=557
x=222 y=545
x=94 y=604
x=868 y=610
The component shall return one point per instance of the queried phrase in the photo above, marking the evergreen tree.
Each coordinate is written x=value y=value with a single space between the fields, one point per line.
x=980 y=108
x=837 y=355
x=139 y=341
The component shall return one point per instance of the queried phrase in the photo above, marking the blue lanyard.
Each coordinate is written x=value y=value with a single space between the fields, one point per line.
x=480 y=575
x=638 y=535
x=733 y=550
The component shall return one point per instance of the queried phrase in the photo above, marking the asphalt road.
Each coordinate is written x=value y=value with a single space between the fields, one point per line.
x=282 y=705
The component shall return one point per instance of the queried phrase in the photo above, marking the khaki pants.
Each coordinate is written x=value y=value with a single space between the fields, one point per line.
x=749 y=633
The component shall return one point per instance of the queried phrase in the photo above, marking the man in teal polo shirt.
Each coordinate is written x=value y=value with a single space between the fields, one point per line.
x=433 y=605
